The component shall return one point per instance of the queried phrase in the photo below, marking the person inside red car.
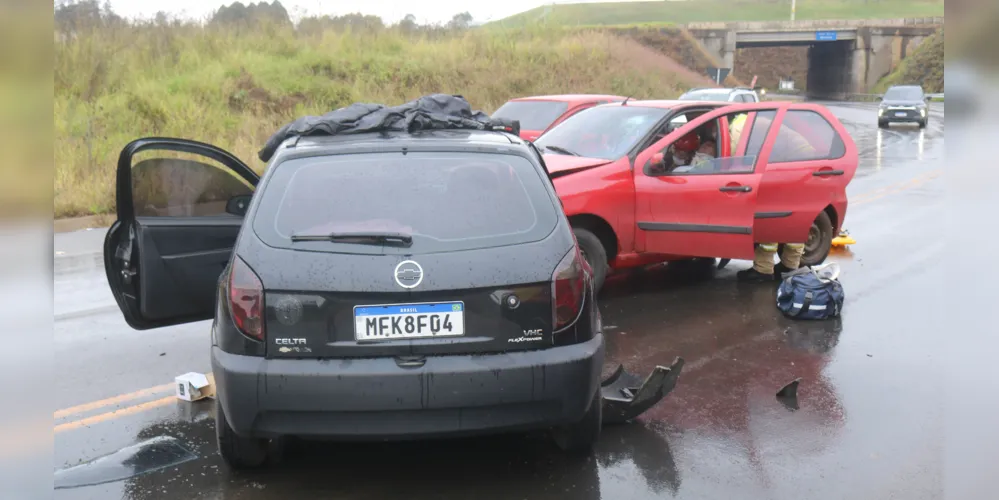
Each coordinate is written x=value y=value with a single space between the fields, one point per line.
x=689 y=152
x=684 y=149
x=709 y=141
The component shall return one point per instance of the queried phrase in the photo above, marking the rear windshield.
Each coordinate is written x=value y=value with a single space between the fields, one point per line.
x=533 y=115
x=904 y=94
x=445 y=201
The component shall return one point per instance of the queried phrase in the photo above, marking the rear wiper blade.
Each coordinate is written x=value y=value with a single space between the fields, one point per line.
x=561 y=150
x=361 y=237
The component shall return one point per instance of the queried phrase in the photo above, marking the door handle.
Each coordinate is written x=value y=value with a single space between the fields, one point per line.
x=740 y=189
x=824 y=173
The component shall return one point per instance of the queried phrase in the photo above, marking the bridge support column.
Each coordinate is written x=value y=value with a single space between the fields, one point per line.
x=858 y=65
x=720 y=43
x=728 y=50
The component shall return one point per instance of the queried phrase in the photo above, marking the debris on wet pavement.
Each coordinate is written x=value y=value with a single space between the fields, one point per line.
x=626 y=397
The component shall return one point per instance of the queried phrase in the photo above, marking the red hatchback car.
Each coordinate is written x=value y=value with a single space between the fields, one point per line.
x=540 y=113
x=777 y=171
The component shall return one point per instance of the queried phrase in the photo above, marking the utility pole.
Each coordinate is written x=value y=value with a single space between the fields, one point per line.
x=793 y=2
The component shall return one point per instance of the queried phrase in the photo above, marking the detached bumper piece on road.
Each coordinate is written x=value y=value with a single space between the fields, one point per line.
x=625 y=396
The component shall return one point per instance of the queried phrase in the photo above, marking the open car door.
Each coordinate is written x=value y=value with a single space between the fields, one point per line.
x=704 y=209
x=179 y=210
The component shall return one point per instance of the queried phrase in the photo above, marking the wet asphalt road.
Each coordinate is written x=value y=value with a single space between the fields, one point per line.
x=867 y=426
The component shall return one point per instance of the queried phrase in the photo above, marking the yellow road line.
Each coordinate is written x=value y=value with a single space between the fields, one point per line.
x=893 y=188
x=115 y=414
x=897 y=188
x=113 y=400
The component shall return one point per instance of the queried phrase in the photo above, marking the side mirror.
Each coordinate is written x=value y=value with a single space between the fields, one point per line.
x=927 y=98
x=879 y=98
x=238 y=204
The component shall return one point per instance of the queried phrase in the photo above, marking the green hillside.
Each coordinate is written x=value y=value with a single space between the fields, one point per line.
x=924 y=66
x=685 y=11
x=234 y=87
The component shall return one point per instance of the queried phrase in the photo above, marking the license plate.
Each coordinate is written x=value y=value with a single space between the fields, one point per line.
x=900 y=113
x=409 y=321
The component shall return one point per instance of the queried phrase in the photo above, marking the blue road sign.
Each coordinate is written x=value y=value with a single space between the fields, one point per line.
x=825 y=36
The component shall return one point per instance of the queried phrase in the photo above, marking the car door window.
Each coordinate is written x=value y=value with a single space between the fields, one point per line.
x=757 y=134
x=670 y=162
x=175 y=185
x=805 y=135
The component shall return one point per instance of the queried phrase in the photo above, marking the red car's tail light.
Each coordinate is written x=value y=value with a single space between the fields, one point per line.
x=246 y=300
x=568 y=288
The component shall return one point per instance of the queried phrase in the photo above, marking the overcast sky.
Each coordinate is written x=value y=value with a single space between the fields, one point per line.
x=426 y=11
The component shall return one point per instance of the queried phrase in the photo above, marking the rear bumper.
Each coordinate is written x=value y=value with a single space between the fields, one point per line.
x=910 y=117
x=377 y=399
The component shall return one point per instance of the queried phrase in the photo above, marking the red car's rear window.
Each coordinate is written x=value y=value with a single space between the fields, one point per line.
x=533 y=115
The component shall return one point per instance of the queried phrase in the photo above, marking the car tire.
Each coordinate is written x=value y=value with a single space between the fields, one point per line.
x=923 y=123
x=816 y=253
x=237 y=451
x=579 y=437
x=882 y=124
x=595 y=255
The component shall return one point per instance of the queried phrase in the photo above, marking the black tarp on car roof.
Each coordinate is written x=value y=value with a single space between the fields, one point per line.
x=435 y=111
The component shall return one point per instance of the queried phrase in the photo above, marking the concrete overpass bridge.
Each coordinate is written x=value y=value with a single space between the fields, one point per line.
x=844 y=56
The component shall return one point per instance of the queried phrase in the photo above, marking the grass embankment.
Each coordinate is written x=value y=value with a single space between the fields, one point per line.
x=680 y=45
x=628 y=13
x=233 y=89
x=924 y=66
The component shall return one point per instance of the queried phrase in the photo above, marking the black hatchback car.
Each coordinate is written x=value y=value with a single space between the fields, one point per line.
x=370 y=286
x=904 y=104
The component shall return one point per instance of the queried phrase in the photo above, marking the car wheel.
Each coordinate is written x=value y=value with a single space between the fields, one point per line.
x=922 y=124
x=882 y=124
x=238 y=452
x=580 y=437
x=594 y=253
x=819 y=241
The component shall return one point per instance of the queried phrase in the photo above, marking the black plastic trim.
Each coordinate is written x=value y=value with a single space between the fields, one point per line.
x=693 y=228
x=771 y=215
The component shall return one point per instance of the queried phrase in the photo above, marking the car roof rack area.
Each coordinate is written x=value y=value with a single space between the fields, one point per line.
x=430 y=112
x=697 y=89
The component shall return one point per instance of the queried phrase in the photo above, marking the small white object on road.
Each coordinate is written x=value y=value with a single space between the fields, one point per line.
x=193 y=386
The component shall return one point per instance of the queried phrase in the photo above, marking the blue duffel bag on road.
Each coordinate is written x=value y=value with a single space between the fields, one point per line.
x=811 y=293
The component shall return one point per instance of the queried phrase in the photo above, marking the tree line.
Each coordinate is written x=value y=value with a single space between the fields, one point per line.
x=73 y=15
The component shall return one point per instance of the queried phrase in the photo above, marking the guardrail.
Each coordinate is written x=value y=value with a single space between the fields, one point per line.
x=850 y=96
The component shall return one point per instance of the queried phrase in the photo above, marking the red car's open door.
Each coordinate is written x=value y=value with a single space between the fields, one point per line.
x=705 y=209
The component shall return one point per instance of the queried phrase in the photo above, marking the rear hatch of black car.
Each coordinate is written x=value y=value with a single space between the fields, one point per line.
x=389 y=254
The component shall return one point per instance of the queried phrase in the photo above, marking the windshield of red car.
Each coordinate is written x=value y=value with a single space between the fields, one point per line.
x=533 y=115
x=601 y=132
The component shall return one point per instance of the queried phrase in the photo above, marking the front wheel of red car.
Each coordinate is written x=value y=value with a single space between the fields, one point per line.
x=595 y=254
x=819 y=241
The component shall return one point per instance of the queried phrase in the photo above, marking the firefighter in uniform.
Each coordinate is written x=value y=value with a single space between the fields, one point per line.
x=763 y=259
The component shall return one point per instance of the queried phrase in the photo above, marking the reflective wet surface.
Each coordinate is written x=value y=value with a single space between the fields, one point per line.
x=867 y=421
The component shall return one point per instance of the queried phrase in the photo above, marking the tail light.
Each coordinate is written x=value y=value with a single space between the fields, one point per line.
x=246 y=300
x=568 y=287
